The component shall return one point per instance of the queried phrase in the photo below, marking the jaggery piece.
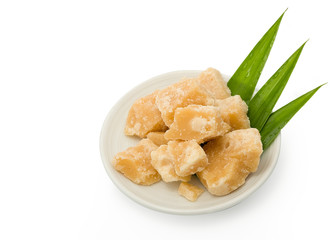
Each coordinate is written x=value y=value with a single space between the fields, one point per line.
x=135 y=163
x=188 y=157
x=223 y=176
x=245 y=145
x=157 y=138
x=212 y=80
x=144 y=117
x=234 y=112
x=181 y=94
x=162 y=161
x=231 y=159
x=201 y=123
x=189 y=191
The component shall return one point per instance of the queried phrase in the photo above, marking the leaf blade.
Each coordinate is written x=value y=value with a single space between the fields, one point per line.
x=281 y=117
x=244 y=80
x=262 y=104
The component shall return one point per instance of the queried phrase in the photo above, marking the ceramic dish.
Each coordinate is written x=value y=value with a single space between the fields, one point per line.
x=164 y=196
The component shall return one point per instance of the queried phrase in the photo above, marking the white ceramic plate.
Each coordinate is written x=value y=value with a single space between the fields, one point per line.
x=164 y=196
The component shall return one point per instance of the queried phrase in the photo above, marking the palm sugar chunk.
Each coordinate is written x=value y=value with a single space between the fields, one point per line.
x=144 y=117
x=135 y=163
x=189 y=191
x=212 y=80
x=234 y=112
x=231 y=159
x=223 y=176
x=245 y=145
x=201 y=123
x=157 y=138
x=181 y=94
x=162 y=161
x=188 y=157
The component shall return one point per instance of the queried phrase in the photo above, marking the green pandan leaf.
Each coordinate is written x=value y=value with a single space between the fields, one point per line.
x=244 y=80
x=262 y=104
x=280 y=118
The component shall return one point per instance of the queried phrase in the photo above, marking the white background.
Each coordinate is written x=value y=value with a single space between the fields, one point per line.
x=64 y=64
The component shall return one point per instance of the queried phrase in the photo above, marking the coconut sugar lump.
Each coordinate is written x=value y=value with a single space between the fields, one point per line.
x=135 y=163
x=162 y=161
x=189 y=191
x=157 y=138
x=188 y=157
x=196 y=122
x=231 y=159
x=144 y=117
x=181 y=94
x=233 y=111
x=212 y=80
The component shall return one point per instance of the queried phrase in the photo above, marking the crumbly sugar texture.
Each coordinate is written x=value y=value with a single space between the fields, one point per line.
x=189 y=191
x=135 y=163
x=181 y=94
x=157 y=138
x=162 y=161
x=144 y=117
x=196 y=122
x=174 y=121
x=231 y=159
x=212 y=80
x=188 y=157
x=234 y=112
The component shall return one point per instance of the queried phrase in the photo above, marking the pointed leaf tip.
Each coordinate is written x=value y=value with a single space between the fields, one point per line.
x=244 y=80
x=283 y=13
x=262 y=104
x=281 y=117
